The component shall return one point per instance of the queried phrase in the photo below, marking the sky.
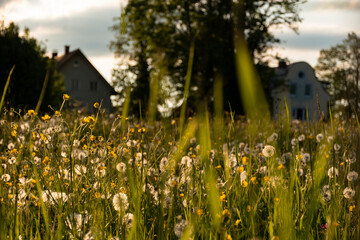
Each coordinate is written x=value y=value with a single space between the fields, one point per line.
x=85 y=24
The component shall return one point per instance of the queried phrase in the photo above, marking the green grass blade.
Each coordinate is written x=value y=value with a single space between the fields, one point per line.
x=42 y=91
x=5 y=88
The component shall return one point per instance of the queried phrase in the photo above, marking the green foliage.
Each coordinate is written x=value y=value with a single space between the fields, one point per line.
x=340 y=66
x=29 y=75
x=152 y=31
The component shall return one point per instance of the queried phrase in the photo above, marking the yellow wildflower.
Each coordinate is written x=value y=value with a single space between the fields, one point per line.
x=245 y=160
x=96 y=105
x=66 y=97
x=244 y=184
x=45 y=117
x=266 y=179
x=240 y=169
x=248 y=208
x=31 y=113
x=199 y=212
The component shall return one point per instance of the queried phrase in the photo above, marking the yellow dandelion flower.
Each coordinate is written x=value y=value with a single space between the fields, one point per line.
x=244 y=184
x=66 y=97
x=228 y=237
x=13 y=133
x=31 y=113
x=222 y=197
x=97 y=195
x=45 y=117
x=299 y=157
x=245 y=160
x=240 y=169
x=92 y=138
x=226 y=213
x=199 y=212
x=281 y=166
x=182 y=195
x=266 y=179
x=253 y=180
x=96 y=105
x=248 y=208
x=237 y=222
x=57 y=114
x=218 y=167
x=351 y=208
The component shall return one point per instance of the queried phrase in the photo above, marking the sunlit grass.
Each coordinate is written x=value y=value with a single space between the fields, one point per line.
x=89 y=177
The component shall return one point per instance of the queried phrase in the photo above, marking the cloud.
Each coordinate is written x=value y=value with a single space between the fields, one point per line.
x=4 y=2
x=88 y=30
x=311 y=40
x=325 y=5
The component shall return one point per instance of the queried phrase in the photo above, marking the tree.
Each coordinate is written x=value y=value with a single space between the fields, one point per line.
x=149 y=29
x=340 y=67
x=30 y=69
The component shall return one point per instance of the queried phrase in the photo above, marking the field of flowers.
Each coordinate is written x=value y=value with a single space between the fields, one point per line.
x=72 y=176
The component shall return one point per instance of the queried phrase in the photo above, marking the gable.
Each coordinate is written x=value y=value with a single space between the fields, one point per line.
x=77 y=60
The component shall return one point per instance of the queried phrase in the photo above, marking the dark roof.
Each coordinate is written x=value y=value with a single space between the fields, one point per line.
x=61 y=60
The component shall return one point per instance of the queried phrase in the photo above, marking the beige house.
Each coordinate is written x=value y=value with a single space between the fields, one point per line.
x=83 y=82
x=305 y=95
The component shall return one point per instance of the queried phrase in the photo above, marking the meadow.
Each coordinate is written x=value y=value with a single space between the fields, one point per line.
x=69 y=175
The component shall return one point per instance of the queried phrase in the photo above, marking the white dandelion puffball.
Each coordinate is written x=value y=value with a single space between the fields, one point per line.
x=268 y=151
x=120 y=202
x=5 y=177
x=352 y=176
x=332 y=172
x=319 y=137
x=348 y=193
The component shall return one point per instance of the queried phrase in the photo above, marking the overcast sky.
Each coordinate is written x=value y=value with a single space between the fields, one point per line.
x=85 y=24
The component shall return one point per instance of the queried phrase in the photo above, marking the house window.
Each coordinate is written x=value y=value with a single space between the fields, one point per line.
x=301 y=74
x=75 y=84
x=93 y=86
x=299 y=113
x=307 y=89
x=293 y=89
x=76 y=63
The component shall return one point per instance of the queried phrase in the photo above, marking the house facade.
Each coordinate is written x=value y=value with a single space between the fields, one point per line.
x=83 y=82
x=304 y=94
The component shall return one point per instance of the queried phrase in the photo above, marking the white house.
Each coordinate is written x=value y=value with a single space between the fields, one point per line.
x=305 y=95
x=83 y=82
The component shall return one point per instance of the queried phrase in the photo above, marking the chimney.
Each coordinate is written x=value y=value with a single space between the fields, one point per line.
x=67 y=49
x=282 y=63
x=54 y=54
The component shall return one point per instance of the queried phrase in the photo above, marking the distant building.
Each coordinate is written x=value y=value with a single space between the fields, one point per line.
x=304 y=93
x=83 y=82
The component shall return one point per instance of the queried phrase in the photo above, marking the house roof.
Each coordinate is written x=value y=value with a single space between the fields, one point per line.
x=61 y=60
x=282 y=72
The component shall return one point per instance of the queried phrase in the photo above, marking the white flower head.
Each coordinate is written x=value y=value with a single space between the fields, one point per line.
x=352 y=176
x=120 y=202
x=301 y=138
x=121 y=167
x=348 y=193
x=337 y=147
x=5 y=177
x=268 y=151
x=319 y=137
x=332 y=172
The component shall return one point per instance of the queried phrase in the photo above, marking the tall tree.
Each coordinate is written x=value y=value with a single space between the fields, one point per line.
x=340 y=66
x=31 y=66
x=167 y=28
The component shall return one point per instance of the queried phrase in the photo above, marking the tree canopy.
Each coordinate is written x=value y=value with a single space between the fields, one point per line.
x=340 y=66
x=31 y=66
x=159 y=34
